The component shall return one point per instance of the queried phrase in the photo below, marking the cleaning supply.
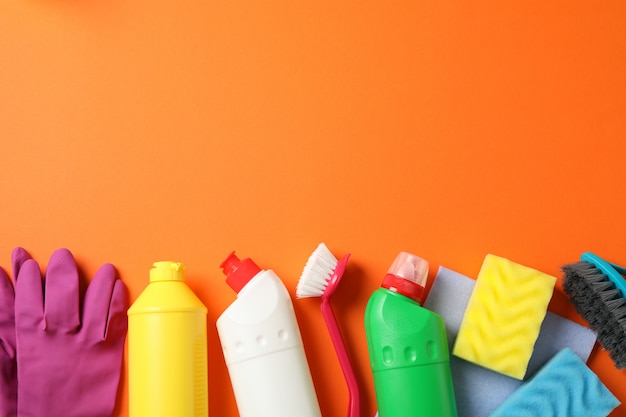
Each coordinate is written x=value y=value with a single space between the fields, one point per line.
x=597 y=290
x=479 y=391
x=407 y=346
x=263 y=347
x=503 y=316
x=320 y=278
x=167 y=348
x=564 y=387
x=69 y=353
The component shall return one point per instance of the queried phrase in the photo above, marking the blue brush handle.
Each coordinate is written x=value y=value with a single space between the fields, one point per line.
x=614 y=272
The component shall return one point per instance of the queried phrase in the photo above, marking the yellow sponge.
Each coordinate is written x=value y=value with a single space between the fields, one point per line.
x=503 y=316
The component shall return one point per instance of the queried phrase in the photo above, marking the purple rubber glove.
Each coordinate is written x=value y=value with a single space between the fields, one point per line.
x=69 y=356
x=8 y=362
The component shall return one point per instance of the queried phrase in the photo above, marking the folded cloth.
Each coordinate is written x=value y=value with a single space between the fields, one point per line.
x=478 y=390
x=564 y=387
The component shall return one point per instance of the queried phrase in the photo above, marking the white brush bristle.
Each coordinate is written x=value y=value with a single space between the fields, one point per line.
x=316 y=273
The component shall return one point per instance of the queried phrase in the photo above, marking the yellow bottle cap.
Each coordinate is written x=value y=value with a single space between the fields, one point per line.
x=167 y=271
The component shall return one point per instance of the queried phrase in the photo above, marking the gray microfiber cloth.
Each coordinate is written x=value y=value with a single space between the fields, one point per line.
x=479 y=391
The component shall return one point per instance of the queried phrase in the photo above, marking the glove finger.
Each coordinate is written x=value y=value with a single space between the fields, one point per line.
x=7 y=316
x=97 y=301
x=118 y=319
x=29 y=297
x=7 y=295
x=62 y=292
x=8 y=363
x=18 y=257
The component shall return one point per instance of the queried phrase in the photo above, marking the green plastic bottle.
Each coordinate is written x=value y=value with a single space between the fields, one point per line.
x=407 y=345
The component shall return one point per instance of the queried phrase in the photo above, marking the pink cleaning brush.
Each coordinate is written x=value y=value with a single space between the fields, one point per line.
x=320 y=278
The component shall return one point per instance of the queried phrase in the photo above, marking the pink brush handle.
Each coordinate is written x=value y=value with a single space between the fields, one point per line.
x=342 y=354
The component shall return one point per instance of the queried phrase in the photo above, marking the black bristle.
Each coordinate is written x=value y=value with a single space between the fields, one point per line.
x=601 y=304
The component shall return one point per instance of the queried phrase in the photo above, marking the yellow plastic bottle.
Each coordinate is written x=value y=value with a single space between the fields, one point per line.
x=167 y=348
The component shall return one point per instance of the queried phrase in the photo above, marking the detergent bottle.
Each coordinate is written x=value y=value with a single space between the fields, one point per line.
x=167 y=348
x=263 y=347
x=407 y=346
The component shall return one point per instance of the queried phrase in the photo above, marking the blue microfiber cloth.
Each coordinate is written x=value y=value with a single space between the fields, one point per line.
x=480 y=391
x=564 y=387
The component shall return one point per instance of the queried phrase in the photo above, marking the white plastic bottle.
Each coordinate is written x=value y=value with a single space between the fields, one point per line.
x=262 y=345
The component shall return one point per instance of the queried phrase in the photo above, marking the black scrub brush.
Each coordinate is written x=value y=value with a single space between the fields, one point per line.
x=597 y=290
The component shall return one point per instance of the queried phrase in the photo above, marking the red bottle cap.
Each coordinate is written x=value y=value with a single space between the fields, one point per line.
x=407 y=276
x=238 y=272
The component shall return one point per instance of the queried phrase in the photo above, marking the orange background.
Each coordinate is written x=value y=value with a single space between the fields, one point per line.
x=138 y=131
